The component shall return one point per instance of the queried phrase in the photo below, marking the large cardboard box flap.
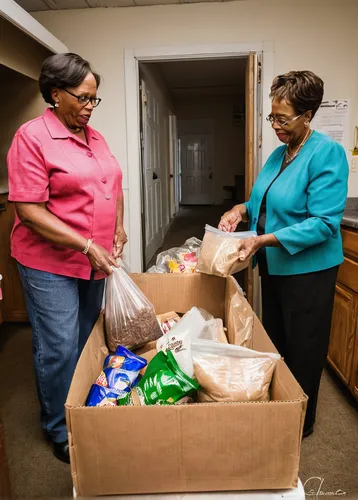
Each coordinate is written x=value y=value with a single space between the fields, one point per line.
x=198 y=447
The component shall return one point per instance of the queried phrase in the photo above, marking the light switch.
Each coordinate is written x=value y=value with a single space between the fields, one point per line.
x=354 y=164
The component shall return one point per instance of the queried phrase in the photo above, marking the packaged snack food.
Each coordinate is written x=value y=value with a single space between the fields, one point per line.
x=129 y=316
x=163 y=383
x=220 y=252
x=120 y=373
x=230 y=373
x=167 y=320
x=105 y=396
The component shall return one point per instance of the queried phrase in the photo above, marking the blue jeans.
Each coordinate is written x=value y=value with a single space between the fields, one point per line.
x=62 y=313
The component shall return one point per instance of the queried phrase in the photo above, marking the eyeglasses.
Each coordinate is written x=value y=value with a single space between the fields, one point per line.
x=280 y=121
x=83 y=100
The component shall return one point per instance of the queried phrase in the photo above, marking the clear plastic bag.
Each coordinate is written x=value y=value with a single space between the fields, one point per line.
x=181 y=259
x=220 y=252
x=228 y=373
x=240 y=320
x=195 y=324
x=129 y=316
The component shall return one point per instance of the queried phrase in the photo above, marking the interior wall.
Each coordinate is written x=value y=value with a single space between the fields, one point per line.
x=229 y=139
x=21 y=101
x=20 y=52
x=152 y=76
x=319 y=36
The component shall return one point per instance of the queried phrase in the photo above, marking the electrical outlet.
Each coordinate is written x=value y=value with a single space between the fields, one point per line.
x=354 y=164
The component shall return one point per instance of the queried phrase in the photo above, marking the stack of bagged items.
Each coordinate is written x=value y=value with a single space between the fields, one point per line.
x=177 y=360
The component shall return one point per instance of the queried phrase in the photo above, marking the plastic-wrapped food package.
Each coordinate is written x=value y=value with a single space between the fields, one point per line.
x=228 y=373
x=163 y=383
x=220 y=252
x=178 y=340
x=178 y=259
x=214 y=330
x=120 y=373
x=195 y=324
x=167 y=320
x=129 y=316
x=240 y=321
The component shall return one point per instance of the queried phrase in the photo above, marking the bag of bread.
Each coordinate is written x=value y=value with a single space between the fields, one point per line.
x=220 y=252
x=229 y=373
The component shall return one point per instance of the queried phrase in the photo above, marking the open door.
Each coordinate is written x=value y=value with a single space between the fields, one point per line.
x=173 y=166
x=252 y=142
x=152 y=175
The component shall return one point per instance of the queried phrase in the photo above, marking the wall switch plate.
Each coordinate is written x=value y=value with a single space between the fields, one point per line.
x=354 y=164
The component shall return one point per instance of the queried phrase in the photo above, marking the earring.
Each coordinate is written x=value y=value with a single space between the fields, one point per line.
x=56 y=104
x=306 y=124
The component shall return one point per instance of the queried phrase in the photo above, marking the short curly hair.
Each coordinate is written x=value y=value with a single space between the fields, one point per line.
x=63 y=70
x=302 y=89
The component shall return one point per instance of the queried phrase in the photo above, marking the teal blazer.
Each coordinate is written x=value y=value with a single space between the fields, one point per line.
x=304 y=205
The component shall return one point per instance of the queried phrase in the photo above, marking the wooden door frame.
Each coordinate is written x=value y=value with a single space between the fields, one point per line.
x=132 y=57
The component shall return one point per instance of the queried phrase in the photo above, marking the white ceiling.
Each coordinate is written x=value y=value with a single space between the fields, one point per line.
x=38 y=5
x=206 y=76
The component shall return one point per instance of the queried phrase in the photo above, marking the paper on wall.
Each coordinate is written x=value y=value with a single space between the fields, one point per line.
x=332 y=119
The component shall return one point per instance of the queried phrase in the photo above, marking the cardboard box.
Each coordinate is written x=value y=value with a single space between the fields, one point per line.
x=189 y=448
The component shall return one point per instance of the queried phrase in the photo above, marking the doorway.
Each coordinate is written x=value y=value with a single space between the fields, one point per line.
x=133 y=59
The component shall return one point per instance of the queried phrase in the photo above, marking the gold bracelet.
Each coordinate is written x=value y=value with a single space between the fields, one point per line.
x=87 y=247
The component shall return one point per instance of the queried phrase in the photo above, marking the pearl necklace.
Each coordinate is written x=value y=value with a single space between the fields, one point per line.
x=289 y=158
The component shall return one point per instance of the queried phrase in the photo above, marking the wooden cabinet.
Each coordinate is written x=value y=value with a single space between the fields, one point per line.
x=13 y=306
x=343 y=346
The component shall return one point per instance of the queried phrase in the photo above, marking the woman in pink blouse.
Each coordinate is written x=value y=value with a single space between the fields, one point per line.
x=67 y=189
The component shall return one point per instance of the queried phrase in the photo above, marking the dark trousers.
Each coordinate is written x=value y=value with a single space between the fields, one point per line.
x=297 y=314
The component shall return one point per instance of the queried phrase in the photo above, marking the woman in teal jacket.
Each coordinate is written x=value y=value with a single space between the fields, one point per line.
x=296 y=207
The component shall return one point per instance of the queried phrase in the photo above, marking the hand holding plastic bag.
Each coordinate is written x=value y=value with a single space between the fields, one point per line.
x=221 y=253
x=130 y=317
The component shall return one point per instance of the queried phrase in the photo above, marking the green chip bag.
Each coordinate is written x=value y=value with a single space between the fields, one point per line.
x=164 y=383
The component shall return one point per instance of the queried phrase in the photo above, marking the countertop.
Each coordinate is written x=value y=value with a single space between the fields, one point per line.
x=350 y=216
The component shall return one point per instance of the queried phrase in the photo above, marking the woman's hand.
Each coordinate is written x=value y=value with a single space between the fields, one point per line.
x=249 y=247
x=100 y=259
x=231 y=219
x=120 y=239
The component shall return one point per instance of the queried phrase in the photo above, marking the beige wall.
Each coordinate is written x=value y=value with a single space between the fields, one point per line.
x=229 y=140
x=21 y=101
x=319 y=35
x=20 y=52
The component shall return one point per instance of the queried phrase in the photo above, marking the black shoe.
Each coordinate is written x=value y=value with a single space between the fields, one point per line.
x=62 y=452
x=307 y=432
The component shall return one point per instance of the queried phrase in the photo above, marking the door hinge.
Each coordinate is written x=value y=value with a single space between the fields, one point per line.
x=259 y=72
x=144 y=99
x=260 y=141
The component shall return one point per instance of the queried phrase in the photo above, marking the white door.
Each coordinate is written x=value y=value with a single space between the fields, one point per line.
x=174 y=166
x=197 y=183
x=152 y=187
